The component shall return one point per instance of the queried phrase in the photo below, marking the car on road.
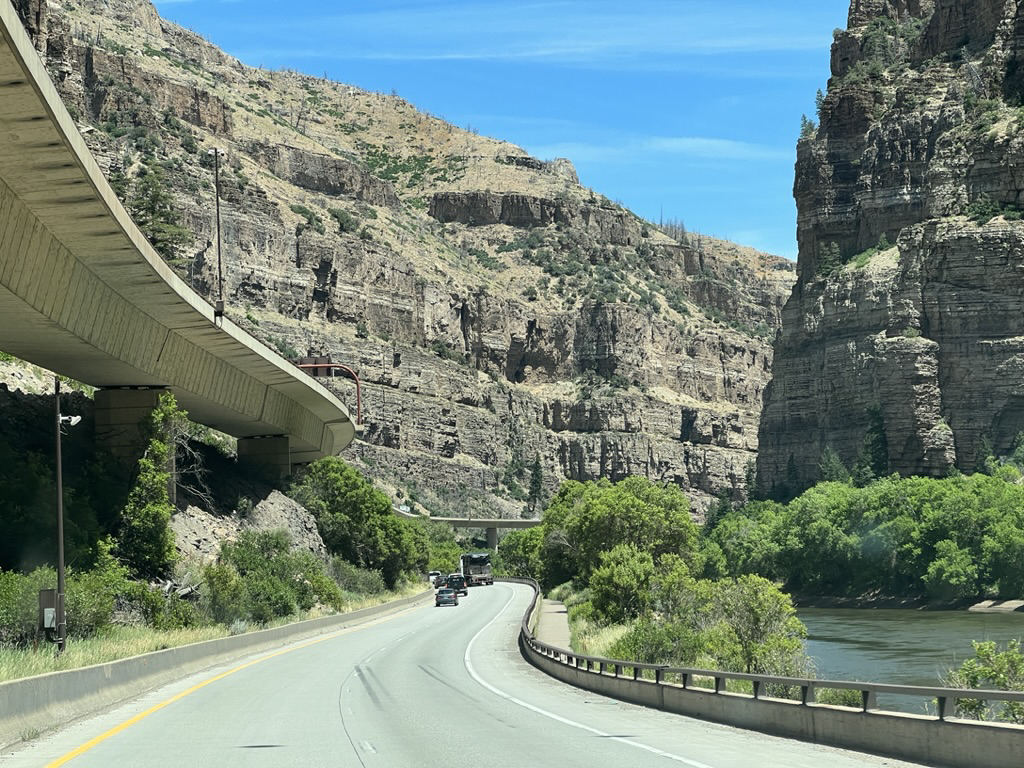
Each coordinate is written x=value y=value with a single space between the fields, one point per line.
x=457 y=582
x=432 y=577
x=446 y=597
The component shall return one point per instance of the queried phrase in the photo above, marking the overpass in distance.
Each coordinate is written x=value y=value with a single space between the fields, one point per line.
x=491 y=524
x=83 y=293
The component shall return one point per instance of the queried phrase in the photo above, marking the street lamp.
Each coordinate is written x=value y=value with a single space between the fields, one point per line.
x=218 y=308
x=62 y=623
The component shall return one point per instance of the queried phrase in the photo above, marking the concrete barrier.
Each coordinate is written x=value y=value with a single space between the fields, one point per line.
x=41 y=703
x=925 y=739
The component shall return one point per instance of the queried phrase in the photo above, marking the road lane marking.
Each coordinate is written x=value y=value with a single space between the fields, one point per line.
x=78 y=751
x=564 y=720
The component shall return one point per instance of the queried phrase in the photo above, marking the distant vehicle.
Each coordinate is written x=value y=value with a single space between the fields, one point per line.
x=446 y=597
x=457 y=582
x=432 y=577
x=476 y=567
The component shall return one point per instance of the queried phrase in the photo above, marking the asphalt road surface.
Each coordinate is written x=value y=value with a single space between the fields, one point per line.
x=429 y=687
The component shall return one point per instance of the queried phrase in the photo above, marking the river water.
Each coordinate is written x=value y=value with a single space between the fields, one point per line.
x=899 y=646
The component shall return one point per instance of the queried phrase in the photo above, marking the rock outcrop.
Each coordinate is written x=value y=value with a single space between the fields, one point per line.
x=198 y=534
x=910 y=293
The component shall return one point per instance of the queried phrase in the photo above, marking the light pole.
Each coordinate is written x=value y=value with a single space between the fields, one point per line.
x=218 y=308
x=62 y=623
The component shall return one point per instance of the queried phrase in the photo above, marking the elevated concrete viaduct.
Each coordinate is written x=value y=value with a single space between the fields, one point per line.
x=84 y=294
x=491 y=525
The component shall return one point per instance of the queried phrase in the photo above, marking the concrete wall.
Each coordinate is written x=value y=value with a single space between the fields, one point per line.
x=918 y=738
x=48 y=701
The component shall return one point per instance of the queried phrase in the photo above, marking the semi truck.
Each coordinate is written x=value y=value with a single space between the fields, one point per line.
x=476 y=567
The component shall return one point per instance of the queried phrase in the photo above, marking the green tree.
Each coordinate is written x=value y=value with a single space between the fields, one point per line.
x=828 y=259
x=768 y=634
x=356 y=521
x=145 y=542
x=952 y=574
x=808 y=128
x=518 y=554
x=620 y=587
x=536 y=483
x=993 y=668
x=720 y=509
x=584 y=520
x=873 y=459
x=1003 y=550
x=832 y=467
x=152 y=206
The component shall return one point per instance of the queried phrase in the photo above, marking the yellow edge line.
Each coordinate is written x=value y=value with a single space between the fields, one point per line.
x=133 y=720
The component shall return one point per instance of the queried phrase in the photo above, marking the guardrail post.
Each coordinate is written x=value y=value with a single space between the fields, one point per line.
x=868 y=699
x=718 y=684
x=758 y=686
x=618 y=670
x=947 y=707
x=659 y=673
x=636 y=672
x=684 y=678
x=807 y=693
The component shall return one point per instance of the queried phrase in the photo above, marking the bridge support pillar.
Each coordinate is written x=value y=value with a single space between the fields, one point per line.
x=492 y=538
x=271 y=453
x=120 y=417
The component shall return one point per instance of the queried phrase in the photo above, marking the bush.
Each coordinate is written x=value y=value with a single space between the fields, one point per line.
x=259 y=579
x=345 y=220
x=992 y=667
x=224 y=593
x=356 y=580
x=19 y=604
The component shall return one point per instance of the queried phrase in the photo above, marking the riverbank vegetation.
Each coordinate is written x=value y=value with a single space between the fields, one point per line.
x=947 y=540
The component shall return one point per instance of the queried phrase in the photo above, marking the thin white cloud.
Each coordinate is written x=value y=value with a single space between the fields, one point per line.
x=705 y=148
x=692 y=147
x=595 y=33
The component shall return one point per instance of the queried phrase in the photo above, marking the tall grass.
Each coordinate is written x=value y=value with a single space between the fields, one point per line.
x=121 y=642
x=114 y=643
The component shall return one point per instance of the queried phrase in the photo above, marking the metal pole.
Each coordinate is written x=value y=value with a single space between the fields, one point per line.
x=62 y=626
x=219 y=310
x=351 y=373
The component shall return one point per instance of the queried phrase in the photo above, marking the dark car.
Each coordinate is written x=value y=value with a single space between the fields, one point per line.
x=458 y=582
x=446 y=597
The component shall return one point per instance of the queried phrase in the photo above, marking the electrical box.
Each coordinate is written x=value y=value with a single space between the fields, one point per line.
x=48 y=610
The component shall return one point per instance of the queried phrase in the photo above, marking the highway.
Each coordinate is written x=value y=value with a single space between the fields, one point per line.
x=431 y=687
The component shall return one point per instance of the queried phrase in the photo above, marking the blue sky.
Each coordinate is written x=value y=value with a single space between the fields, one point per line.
x=686 y=109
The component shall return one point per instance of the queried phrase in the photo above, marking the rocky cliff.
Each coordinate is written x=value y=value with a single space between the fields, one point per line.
x=495 y=309
x=907 y=315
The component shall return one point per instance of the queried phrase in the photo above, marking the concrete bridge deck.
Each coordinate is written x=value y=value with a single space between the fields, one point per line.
x=84 y=294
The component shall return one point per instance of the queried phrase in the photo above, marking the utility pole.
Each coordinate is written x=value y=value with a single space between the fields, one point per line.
x=62 y=624
x=62 y=621
x=218 y=309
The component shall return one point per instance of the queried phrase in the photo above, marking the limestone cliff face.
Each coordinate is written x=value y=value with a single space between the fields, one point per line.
x=911 y=270
x=494 y=309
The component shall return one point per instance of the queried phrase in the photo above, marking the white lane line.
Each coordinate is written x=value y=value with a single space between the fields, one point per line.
x=566 y=721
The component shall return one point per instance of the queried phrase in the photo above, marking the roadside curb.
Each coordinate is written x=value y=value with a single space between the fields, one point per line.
x=44 y=702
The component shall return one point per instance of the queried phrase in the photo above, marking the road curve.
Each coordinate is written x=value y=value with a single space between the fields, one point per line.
x=428 y=687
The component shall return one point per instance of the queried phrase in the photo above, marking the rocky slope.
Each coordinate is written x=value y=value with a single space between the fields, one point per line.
x=495 y=309
x=910 y=292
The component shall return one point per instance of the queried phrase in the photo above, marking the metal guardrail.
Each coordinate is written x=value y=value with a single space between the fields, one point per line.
x=687 y=677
